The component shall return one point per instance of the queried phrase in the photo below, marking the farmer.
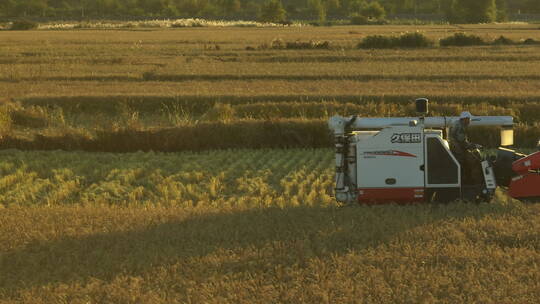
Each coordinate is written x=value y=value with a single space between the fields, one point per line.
x=463 y=149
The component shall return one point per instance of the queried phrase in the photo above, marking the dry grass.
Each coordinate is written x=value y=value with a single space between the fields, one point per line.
x=81 y=56
x=449 y=254
x=244 y=227
x=274 y=88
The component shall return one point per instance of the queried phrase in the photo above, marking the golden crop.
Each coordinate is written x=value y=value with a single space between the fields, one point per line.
x=98 y=90
x=235 y=178
x=243 y=225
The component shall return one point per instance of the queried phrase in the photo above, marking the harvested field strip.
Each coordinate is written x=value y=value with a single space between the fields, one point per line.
x=237 y=77
x=74 y=78
x=254 y=134
x=152 y=57
x=449 y=59
x=180 y=71
x=386 y=77
x=273 y=88
x=361 y=58
x=93 y=60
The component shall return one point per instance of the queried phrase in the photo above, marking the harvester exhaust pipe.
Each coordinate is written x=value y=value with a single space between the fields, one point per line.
x=422 y=106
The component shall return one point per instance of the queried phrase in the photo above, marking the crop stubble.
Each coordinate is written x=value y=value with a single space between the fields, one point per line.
x=244 y=226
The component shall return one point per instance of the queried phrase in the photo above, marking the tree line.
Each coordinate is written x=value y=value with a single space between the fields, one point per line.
x=269 y=10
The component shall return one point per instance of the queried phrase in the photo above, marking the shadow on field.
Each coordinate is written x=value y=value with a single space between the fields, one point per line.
x=72 y=78
x=255 y=77
x=362 y=78
x=278 y=237
x=341 y=58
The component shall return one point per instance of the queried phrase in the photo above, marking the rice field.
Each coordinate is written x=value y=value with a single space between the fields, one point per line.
x=227 y=179
x=244 y=226
x=85 y=83
x=194 y=165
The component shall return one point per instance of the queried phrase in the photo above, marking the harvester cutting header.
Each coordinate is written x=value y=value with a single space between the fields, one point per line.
x=412 y=159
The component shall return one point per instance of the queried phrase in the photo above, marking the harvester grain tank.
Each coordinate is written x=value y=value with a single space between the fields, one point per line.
x=408 y=159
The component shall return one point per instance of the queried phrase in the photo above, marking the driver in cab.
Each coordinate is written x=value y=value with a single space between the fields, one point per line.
x=463 y=150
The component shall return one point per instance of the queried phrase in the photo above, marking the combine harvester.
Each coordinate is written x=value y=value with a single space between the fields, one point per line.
x=407 y=160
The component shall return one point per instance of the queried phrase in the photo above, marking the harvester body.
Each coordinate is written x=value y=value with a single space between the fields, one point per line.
x=407 y=160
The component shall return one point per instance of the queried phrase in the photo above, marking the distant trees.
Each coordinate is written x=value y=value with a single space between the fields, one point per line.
x=373 y=10
x=534 y=6
x=472 y=11
x=272 y=11
x=524 y=6
x=333 y=7
x=28 y=7
x=467 y=11
x=479 y=11
x=502 y=10
x=317 y=10
x=355 y=6
x=362 y=12
x=229 y=7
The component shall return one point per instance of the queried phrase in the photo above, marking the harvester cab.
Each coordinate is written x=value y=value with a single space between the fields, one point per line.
x=408 y=159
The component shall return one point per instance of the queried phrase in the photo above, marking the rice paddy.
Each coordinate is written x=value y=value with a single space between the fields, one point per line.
x=194 y=165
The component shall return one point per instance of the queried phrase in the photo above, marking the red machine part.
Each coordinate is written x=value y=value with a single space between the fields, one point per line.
x=527 y=183
x=526 y=164
x=390 y=195
x=525 y=186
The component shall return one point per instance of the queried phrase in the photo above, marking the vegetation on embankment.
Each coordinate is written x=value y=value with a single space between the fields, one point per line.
x=254 y=134
x=173 y=124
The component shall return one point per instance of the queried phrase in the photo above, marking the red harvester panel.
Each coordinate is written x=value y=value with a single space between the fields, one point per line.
x=390 y=195
x=524 y=165
x=527 y=185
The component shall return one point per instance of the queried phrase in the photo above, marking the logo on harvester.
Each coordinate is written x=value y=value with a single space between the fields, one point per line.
x=374 y=154
x=406 y=138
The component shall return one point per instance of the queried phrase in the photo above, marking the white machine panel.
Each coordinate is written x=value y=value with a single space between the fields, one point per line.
x=391 y=159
